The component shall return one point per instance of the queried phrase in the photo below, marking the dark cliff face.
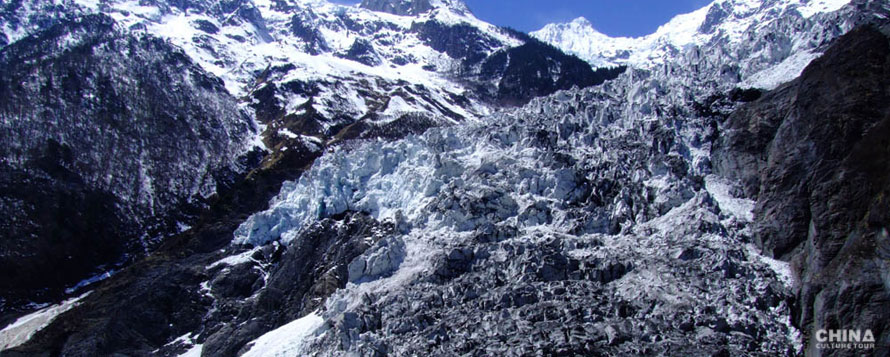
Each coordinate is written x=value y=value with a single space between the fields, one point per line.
x=460 y=41
x=531 y=70
x=109 y=142
x=537 y=69
x=815 y=154
x=14 y=16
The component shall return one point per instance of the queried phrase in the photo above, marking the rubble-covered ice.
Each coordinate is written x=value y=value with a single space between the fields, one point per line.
x=566 y=194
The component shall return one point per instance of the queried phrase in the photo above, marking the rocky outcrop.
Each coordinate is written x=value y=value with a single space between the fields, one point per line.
x=815 y=155
x=154 y=300
x=291 y=283
x=362 y=52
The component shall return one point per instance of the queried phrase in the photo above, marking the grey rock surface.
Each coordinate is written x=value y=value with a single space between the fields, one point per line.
x=814 y=155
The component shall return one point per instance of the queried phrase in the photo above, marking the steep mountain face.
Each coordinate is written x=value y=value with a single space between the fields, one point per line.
x=511 y=69
x=325 y=66
x=621 y=219
x=414 y=7
x=816 y=161
x=109 y=141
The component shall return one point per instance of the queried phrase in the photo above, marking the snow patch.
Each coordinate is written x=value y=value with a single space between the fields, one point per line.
x=397 y=106
x=195 y=351
x=782 y=269
x=20 y=331
x=720 y=190
x=90 y=281
x=814 y=7
x=785 y=71
x=237 y=259
x=288 y=133
x=287 y=340
x=90 y=4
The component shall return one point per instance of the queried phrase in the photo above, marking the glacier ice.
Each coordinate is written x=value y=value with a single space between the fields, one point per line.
x=616 y=177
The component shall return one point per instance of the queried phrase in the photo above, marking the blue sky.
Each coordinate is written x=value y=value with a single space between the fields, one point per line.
x=612 y=17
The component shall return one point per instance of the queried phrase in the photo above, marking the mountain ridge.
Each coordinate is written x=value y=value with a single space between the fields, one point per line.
x=415 y=7
x=722 y=20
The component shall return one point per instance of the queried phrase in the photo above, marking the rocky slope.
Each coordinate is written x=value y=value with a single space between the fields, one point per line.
x=109 y=142
x=816 y=162
x=621 y=219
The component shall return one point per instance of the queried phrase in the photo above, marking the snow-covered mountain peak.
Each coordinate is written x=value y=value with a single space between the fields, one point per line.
x=580 y=38
x=733 y=23
x=414 y=7
x=582 y=20
x=728 y=18
x=579 y=25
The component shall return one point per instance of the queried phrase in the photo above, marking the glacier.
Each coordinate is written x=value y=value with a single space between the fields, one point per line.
x=273 y=82
x=587 y=221
x=573 y=170
x=616 y=174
